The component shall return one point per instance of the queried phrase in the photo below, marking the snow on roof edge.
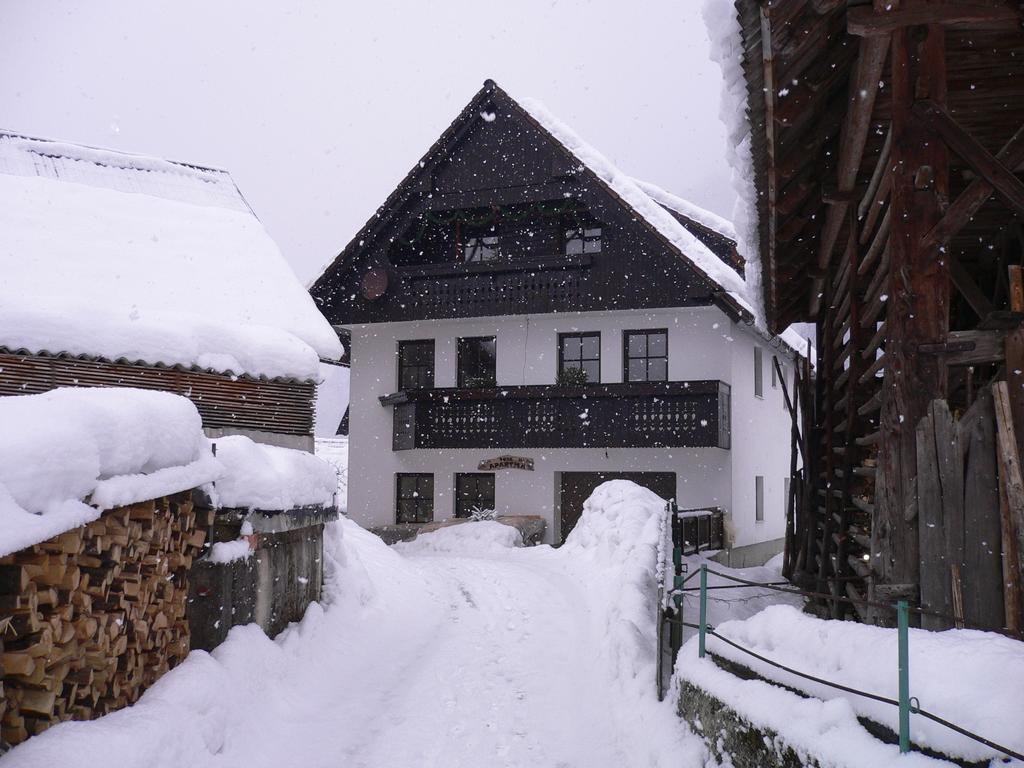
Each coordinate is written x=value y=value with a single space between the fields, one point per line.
x=688 y=209
x=732 y=285
x=685 y=242
x=723 y=27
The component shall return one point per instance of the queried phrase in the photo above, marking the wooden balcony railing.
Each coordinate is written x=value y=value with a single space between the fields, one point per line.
x=676 y=414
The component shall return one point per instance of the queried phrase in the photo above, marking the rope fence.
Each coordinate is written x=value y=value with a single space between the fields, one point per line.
x=906 y=704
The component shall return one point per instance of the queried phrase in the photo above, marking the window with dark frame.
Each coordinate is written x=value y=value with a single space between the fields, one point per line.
x=481 y=249
x=758 y=372
x=414 y=497
x=759 y=498
x=478 y=362
x=582 y=239
x=582 y=351
x=646 y=355
x=473 y=490
x=416 y=364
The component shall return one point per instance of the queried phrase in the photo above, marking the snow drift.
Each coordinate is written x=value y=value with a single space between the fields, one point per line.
x=475 y=539
x=972 y=679
x=618 y=542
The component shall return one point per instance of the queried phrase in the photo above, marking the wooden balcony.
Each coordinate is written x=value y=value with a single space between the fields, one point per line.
x=676 y=414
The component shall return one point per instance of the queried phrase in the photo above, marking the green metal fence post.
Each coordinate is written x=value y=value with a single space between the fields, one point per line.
x=904 y=670
x=703 y=609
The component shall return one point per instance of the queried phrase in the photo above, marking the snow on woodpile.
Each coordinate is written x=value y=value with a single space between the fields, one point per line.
x=972 y=679
x=267 y=477
x=121 y=257
x=473 y=539
x=648 y=209
x=69 y=454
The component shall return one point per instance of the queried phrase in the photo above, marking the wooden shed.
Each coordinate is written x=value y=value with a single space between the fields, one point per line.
x=887 y=142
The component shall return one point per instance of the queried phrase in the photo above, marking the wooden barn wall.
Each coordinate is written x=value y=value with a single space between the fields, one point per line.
x=283 y=407
x=890 y=212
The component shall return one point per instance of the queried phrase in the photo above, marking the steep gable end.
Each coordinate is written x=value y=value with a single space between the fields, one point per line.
x=510 y=213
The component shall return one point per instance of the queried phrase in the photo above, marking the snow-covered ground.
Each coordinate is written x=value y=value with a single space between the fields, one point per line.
x=507 y=657
x=737 y=602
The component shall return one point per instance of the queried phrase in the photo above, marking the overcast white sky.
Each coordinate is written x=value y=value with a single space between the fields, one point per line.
x=319 y=108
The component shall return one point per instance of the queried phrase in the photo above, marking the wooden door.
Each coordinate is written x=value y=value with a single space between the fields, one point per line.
x=576 y=488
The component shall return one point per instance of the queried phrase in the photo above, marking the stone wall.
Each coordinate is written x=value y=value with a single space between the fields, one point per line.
x=730 y=737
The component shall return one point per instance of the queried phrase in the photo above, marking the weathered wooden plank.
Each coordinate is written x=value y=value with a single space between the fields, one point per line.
x=981 y=570
x=968 y=348
x=939 y=495
x=1013 y=483
x=1015 y=357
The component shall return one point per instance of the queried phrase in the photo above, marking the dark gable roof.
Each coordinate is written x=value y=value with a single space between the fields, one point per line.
x=491 y=98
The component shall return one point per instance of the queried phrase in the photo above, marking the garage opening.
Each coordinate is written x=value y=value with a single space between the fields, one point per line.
x=576 y=487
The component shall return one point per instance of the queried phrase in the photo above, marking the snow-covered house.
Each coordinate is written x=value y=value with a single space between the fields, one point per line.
x=527 y=321
x=121 y=270
x=128 y=271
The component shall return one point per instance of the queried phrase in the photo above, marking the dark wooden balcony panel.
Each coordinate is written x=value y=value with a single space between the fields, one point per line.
x=680 y=414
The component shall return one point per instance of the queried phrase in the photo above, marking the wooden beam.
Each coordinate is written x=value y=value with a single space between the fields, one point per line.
x=863 y=88
x=974 y=196
x=969 y=348
x=964 y=282
x=917 y=309
x=938 y=119
x=1015 y=356
x=865 y=21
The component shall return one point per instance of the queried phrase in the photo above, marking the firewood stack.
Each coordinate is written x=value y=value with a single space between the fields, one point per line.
x=91 y=618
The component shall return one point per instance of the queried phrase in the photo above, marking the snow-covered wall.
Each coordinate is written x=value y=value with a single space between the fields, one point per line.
x=703 y=344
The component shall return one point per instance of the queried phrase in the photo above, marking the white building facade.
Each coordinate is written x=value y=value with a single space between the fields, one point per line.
x=703 y=344
x=526 y=322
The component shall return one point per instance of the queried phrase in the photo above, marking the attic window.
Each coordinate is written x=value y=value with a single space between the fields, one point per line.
x=583 y=240
x=481 y=249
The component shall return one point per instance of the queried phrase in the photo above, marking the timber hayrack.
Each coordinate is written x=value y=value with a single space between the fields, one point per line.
x=888 y=141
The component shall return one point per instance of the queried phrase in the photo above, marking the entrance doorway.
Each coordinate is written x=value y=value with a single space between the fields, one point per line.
x=576 y=487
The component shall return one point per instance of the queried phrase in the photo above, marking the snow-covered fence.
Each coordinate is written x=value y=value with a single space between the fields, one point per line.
x=787 y=637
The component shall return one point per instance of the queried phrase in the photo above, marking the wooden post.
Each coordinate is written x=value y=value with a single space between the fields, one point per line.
x=1011 y=486
x=918 y=304
x=1015 y=358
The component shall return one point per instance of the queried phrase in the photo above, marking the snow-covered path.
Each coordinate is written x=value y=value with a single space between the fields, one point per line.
x=510 y=657
x=507 y=678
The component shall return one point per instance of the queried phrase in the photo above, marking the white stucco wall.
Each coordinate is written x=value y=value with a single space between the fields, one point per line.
x=703 y=344
x=761 y=439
